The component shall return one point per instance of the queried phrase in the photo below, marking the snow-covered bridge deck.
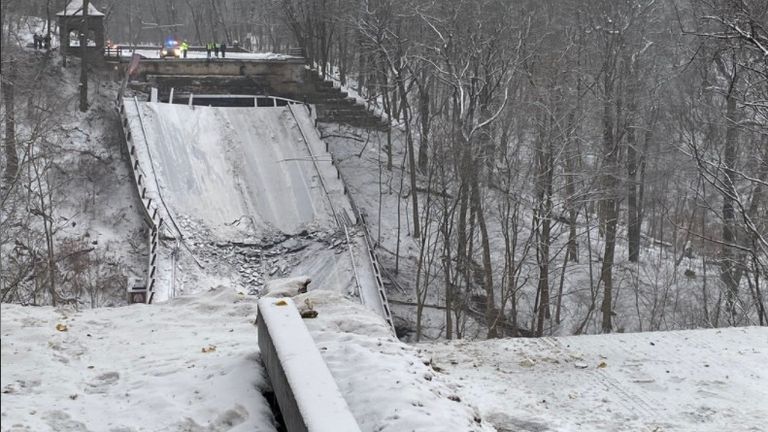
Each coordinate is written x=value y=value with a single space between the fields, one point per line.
x=238 y=171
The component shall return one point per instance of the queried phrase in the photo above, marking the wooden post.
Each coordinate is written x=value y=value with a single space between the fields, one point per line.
x=84 y=59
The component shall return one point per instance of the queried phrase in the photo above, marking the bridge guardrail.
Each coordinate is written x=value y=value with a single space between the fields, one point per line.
x=150 y=211
x=360 y=220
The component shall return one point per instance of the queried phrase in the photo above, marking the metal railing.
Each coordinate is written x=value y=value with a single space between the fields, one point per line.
x=361 y=222
x=150 y=208
x=258 y=100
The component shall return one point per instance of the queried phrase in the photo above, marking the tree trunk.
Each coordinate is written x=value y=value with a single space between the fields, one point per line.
x=610 y=207
x=48 y=19
x=84 y=59
x=425 y=120
x=491 y=314
x=606 y=274
x=11 y=155
x=543 y=218
x=730 y=272
x=570 y=191
x=411 y=156
x=448 y=282
x=633 y=220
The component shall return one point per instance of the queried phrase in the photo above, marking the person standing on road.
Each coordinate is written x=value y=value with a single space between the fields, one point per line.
x=216 y=49
x=47 y=41
x=223 y=49
x=208 y=50
x=184 y=48
x=36 y=39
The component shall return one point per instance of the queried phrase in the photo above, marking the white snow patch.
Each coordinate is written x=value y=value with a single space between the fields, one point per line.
x=696 y=380
x=191 y=364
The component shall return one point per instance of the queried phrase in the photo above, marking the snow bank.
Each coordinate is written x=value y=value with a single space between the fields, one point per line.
x=387 y=385
x=700 y=380
x=191 y=364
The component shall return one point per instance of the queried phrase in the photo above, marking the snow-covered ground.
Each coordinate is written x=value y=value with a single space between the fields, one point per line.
x=192 y=364
x=96 y=228
x=663 y=291
x=695 y=380
x=388 y=386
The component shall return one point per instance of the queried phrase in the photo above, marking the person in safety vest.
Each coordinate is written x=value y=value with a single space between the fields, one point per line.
x=184 y=48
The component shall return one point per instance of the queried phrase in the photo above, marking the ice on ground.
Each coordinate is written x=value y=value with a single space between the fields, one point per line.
x=697 y=380
x=191 y=364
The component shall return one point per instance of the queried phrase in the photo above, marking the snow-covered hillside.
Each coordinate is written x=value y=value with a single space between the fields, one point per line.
x=74 y=186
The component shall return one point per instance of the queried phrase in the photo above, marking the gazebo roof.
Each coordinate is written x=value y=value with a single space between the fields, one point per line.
x=75 y=8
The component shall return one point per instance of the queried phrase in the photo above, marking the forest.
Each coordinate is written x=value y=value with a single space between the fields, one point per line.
x=572 y=167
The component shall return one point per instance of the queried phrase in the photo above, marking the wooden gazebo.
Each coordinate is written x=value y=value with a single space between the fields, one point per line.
x=70 y=22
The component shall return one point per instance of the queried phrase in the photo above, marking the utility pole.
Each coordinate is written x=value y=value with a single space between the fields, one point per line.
x=84 y=59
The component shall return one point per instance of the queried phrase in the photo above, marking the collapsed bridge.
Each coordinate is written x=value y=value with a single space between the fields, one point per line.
x=233 y=175
x=234 y=166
